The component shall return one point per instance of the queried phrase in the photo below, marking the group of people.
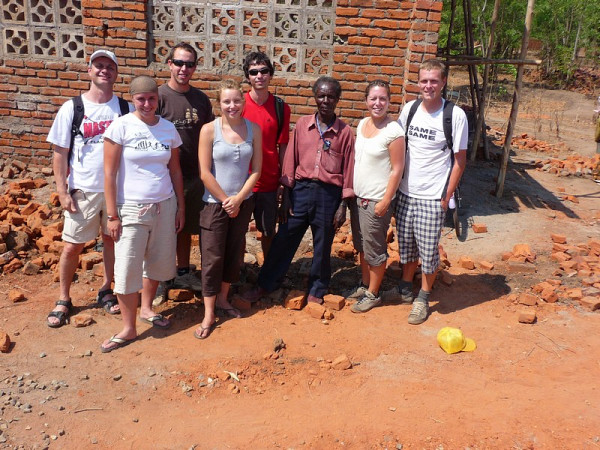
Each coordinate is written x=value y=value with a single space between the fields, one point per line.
x=153 y=177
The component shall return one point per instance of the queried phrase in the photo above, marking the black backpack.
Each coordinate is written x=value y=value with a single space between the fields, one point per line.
x=279 y=113
x=78 y=113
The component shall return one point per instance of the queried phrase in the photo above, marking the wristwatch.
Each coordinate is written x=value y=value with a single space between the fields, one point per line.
x=112 y=218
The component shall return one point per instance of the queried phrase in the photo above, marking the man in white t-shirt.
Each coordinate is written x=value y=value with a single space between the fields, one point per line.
x=79 y=176
x=430 y=178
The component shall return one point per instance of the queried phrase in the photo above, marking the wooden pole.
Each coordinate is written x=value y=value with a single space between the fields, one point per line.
x=480 y=127
x=477 y=60
x=451 y=26
x=515 y=103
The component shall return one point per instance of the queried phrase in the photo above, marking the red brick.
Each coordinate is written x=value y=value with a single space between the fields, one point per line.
x=294 y=300
x=466 y=263
x=591 y=303
x=549 y=295
x=486 y=265
x=479 y=228
x=315 y=310
x=527 y=316
x=89 y=259
x=558 y=238
x=335 y=302
x=527 y=299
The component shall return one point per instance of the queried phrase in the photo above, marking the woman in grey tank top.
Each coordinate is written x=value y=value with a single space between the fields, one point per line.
x=228 y=147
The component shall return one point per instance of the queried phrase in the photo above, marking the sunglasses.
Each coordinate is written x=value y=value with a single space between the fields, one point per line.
x=262 y=71
x=188 y=64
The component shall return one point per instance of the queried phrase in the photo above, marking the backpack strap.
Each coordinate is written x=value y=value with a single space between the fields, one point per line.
x=411 y=114
x=124 y=106
x=279 y=113
x=447 y=118
x=78 y=113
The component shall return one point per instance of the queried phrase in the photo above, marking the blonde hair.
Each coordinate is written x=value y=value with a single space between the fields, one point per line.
x=229 y=84
x=434 y=64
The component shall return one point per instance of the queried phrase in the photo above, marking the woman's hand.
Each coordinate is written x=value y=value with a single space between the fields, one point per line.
x=231 y=205
x=381 y=208
x=114 y=229
x=179 y=219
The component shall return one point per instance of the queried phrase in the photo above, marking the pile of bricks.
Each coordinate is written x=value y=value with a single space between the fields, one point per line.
x=579 y=264
x=575 y=165
x=30 y=230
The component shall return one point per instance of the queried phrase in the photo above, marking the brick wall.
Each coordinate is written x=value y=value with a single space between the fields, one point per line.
x=373 y=39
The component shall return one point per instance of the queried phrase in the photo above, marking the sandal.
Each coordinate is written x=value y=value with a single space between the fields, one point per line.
x=232 y=312
x=120 y=342
x=109 y=303
x=205 y=331
x=62 y=316
x=155 y=319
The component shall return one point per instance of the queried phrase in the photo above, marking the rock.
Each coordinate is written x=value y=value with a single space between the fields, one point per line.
x=12 y=266
x=17 y=241
x=241 y=303
x=466 y=263
x=180 y=295
x=294 y=300
x=558 y=238
x=328 y=315
x=486 y=265
x=315 y=310
x=446 y=278
x=82 y=320
x=4 y=342
x=31 y=268
x=523 y=267
x=335 y=302
x=342 y=362
x=527 y=316
x=54 y=199
x=479 y=228
x=89 y=259
x=591 y=303
x=249 y=259
x=278 y=344
x=528 y=299
x=15 y=295
x=549 y=295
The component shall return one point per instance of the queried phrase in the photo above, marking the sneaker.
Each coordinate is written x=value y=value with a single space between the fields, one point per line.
x=161 y=294
x=366 y=303
x=418 y=313
x=396 y=295
x=188 y=281
x=357 y=292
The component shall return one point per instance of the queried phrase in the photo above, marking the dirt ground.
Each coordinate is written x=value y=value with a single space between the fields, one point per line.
x=524 y=387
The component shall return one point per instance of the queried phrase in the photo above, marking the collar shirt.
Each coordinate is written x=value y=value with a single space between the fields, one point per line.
x=328 y=158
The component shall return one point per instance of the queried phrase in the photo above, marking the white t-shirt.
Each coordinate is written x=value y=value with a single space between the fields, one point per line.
x=428 y=162
x=372 y=166
x=143 y=174
x=87 y=160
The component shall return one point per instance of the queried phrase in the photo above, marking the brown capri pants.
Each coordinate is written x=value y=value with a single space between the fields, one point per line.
x=222 y=243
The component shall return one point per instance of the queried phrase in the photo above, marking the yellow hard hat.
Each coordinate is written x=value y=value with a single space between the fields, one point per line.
x=452 y=340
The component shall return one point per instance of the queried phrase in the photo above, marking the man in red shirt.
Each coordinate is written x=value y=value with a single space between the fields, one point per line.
x=261 y=109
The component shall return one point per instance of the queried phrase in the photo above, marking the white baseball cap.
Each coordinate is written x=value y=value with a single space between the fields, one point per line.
x=108 y=54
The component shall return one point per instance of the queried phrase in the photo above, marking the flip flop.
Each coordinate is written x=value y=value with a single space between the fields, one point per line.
x=230 y=311
x=109 y=303
x=208 y=329
x=156 y=318
x=116 y=340
x=62 y=316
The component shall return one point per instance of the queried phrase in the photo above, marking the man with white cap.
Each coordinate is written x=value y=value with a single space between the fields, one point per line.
x=78 y=163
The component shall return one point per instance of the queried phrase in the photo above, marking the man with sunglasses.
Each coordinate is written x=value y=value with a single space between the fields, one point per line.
x=188 y=108
x=273 y=117
x=317 y=173
x=78 y=163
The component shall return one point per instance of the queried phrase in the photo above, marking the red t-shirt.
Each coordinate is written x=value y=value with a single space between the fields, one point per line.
x=265 y=116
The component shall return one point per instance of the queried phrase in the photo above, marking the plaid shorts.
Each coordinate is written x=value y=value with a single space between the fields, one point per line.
x=419 y=225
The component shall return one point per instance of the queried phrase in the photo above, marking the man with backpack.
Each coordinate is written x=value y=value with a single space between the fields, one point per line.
x=78 y=163
x=436 y=143
x=272 y=115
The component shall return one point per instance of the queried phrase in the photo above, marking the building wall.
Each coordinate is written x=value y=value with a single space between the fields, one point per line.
x=44 y=52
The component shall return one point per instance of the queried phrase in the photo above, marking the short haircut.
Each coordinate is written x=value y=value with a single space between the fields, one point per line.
x=378 y=83
x=184 y=46
x=229 y=83
x=328 y=80
x=434 y=64
x=257 y=58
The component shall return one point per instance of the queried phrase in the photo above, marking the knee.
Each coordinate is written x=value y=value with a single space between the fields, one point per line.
x=71 y=250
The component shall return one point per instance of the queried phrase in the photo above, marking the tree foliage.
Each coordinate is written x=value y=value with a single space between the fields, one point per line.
x=564 y=27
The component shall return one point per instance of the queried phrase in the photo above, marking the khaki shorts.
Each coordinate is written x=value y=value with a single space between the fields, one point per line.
x=369 y=232
x=83 y=225
x=146 y=248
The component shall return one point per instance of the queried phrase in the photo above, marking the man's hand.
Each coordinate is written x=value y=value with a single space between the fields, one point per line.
x=67 y=202
x=340 y=216
x=285 y=209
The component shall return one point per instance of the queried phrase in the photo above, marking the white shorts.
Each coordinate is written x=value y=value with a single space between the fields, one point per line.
x=147 y=246
x=83 y=225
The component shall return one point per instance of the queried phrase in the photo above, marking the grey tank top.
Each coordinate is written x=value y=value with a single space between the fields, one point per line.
x=230 y=162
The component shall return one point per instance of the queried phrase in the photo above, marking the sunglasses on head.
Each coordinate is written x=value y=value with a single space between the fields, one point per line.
x=255 y=72
x=188 y=64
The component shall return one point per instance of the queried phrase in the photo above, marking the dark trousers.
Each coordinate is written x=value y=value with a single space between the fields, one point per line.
x=222 y=243
x=314 y=204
